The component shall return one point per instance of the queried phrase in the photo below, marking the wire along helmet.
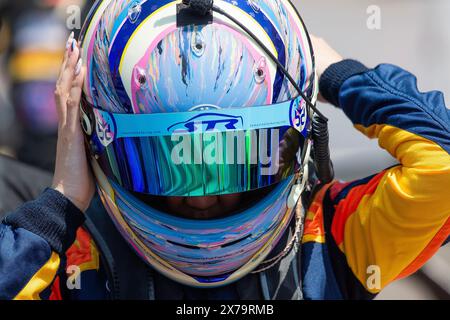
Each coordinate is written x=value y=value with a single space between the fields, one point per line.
x=198 y=99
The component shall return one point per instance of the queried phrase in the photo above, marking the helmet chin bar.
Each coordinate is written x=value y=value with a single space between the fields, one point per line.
x=108 y=198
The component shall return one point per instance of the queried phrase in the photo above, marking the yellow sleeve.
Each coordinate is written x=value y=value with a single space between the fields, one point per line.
x=396 y=223
x=40 y=280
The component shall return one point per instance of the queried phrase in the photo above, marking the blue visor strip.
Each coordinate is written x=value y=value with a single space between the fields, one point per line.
x=291 y=113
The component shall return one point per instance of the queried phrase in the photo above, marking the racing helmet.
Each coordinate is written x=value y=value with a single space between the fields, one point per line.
x=198 y=98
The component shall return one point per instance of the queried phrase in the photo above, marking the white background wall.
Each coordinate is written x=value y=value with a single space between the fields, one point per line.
x=414 y=34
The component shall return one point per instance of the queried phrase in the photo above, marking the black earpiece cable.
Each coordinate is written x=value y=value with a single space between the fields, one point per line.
x=202 y=7
x=274 y=59
x=322 y=160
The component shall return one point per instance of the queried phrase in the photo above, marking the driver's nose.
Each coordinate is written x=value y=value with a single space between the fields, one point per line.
x=202 y=203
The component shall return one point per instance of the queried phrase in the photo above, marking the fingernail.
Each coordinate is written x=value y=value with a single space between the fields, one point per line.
x=78 y=67
x=74 y=42
x=69 y=40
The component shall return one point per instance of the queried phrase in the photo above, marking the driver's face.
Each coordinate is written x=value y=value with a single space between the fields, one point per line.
x=204 y=207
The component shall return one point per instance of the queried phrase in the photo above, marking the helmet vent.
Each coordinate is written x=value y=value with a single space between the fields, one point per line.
x=140 y=77
x=260 y=71
x=134 y=11
x=198 y=44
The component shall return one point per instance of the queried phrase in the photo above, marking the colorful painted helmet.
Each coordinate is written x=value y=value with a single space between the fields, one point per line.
x=179 y=102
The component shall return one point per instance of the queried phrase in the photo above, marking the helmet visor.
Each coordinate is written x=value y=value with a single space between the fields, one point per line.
x=199 y=153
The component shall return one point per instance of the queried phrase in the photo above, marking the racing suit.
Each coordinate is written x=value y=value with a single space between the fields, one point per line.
x=358 y=236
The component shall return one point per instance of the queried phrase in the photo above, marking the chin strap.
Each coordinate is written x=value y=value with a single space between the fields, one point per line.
x=294 y=243
x=294 y=197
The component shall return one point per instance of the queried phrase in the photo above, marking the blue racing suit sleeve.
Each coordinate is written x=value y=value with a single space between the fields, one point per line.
x=32 y=239
x=391 y=223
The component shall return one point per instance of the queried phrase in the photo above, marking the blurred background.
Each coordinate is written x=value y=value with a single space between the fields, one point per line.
x=413 y=34
x=32 y=41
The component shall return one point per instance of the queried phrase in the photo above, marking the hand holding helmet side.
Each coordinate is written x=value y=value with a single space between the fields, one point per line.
x=72 y=176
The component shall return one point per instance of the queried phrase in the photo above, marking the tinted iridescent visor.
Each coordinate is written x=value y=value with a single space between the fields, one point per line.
x=199 y=153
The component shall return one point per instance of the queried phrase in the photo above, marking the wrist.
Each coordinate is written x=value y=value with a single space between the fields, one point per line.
x=80 y=204
x=52 y=216
x=335 y=75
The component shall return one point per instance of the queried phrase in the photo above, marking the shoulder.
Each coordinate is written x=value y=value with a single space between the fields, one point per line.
x=83 y=253
x=81 y=276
